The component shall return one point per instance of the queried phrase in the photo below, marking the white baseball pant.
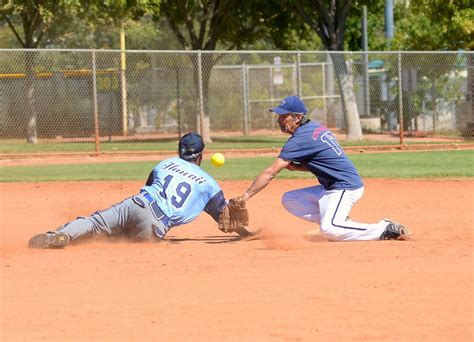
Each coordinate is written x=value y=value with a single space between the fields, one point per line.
x=330 y=209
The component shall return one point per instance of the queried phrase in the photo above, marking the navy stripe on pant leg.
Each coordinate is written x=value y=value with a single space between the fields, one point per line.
x=334 y=216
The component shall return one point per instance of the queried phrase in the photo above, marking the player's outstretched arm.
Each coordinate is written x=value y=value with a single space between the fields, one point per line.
x=265 y=177
x=216 y=205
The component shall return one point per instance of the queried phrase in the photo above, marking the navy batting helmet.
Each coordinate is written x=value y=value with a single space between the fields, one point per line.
x=190 y=145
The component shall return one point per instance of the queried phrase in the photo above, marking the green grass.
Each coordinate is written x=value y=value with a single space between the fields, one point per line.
x=431 y=164
x=220 y=144
x=18 y=146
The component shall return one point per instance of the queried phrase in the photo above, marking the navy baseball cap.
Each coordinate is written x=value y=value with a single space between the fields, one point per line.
x=290 y=104
x=190 y=144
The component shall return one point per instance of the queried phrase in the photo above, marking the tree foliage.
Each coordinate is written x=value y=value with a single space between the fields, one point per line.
x=4 y=7
x=435 y=25
x=202 y=25
x=104 y=19
x=375 y=26
x=326 y=18
x=231 y=24
x=34 y=23
x=424 y=25
x=114 y=12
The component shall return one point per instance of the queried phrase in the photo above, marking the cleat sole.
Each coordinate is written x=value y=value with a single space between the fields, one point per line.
x=58 y=240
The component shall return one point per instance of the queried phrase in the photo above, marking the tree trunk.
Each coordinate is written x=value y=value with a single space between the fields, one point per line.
x=206 y=82
x=31 y=131
x=349 y=104
x=331 y=105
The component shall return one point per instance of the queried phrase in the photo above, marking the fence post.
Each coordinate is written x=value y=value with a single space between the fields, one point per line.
x=272 y=94
x=201 y=96
x=178 y=101
x=400 y=96
x=245 y=99
x=123 y=80
x=298 y=74
x=325 y=106
x=94 y=101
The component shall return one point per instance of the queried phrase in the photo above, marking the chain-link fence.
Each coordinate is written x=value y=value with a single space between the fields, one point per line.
x=110 y=95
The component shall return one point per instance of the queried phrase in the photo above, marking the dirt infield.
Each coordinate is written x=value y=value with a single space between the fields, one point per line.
x=203 y=285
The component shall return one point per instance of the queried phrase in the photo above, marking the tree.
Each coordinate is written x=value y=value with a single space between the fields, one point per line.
x=207 y=24
x=30 y=22
x=328 y=20
x=6 y=6
x=39 y=23
x=430 y=25
x=375 y=26
x=33 y=22
x=115 y=13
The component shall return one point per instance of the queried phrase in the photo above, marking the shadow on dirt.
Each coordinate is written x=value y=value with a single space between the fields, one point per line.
x=205 y=239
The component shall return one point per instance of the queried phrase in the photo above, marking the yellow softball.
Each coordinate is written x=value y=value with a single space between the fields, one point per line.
x=217 y=159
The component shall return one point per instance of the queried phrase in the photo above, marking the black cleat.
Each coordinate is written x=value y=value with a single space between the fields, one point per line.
x=395 y=231
x=49 y=240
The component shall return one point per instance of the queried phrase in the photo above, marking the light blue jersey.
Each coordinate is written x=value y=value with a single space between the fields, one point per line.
x=181 y=189
x=175 y=193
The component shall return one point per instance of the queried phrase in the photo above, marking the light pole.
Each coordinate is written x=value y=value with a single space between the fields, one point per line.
x=389 y=21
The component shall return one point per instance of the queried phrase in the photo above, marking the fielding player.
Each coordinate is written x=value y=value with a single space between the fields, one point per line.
x=176 y=192
x=313 y=148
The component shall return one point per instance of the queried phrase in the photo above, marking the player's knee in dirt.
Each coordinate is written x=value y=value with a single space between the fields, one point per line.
x=327 y=229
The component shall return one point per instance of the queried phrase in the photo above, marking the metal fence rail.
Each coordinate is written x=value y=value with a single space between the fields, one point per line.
x=96 y=95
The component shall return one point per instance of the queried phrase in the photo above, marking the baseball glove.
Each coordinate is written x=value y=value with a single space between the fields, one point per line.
x=235 y=217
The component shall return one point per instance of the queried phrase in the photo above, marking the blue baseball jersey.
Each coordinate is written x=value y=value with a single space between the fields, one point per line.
x=315 y=147
x=183 y=190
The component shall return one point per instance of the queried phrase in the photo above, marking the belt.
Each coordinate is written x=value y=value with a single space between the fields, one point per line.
x=147 y=196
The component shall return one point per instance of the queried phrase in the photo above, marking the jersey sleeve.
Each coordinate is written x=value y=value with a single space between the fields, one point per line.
x=291 y=151
x=215 y=205
x=151 y=178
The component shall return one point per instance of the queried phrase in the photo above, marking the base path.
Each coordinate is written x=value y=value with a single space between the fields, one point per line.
x=203 y=285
